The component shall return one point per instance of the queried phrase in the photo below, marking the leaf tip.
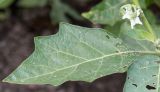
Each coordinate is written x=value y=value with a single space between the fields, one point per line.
x=87 y=15
x=6 y=80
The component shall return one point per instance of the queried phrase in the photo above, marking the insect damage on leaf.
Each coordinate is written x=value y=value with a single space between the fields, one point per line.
x=145 y=73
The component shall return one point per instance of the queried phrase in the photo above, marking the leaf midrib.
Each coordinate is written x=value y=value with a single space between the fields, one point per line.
x=109 y=55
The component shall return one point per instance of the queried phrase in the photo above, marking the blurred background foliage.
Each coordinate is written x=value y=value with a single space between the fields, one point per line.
x=59 y=9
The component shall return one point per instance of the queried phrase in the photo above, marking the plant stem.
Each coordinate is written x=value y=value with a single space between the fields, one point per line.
x=146 y=23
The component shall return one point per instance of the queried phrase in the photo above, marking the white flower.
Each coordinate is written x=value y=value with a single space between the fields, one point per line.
x=135 y=21
x=132 y=13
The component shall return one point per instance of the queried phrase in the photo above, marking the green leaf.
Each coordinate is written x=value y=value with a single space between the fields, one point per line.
x=144 y=75
x=156 y=28
x=5 y=3
x=107 y=12
x=75 y=53
x=32 y=3
x=139 y=32
x=138 y=45
x=115 y=29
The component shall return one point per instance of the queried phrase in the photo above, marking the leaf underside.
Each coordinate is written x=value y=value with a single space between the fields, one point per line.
x=74 y=53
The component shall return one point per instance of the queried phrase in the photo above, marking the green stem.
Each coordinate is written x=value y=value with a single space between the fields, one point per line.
x=146 y=23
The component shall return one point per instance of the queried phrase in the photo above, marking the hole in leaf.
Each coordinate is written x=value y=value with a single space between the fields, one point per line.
x=108 y=36
x=150 y=87
x=153 y=83
x=153 y=75
x=134 y=85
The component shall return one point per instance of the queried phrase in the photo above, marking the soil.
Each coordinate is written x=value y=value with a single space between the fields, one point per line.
x=16 y=44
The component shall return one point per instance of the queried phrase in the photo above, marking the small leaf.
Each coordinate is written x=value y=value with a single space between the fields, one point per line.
x=144 y=75
x=107 y=12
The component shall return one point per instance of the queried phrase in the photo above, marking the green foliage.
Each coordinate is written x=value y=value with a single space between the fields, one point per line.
x=32 y=3
x=138 y=33
x=145 y=3
x=144 y=75
x=107 y=12
x=79 y=53
x=76 y=53
x=5 y=3
x=156 y=28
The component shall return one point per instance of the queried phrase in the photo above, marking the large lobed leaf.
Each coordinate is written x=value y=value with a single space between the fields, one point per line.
x=74 y=53
x=77 y=53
